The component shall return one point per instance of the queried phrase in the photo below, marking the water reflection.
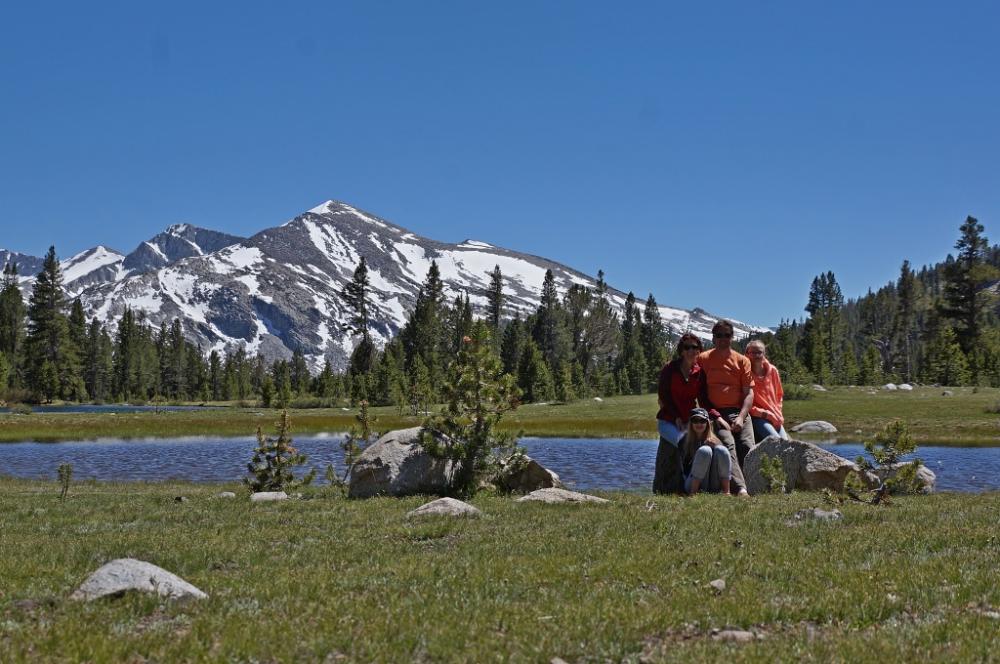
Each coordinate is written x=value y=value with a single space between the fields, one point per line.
x=611 y=464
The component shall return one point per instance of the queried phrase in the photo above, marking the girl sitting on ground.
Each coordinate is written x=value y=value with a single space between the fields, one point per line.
x=707 y=464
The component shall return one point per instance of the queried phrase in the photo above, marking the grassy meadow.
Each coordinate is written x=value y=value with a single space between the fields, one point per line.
x=967 y=418
x=325 y=579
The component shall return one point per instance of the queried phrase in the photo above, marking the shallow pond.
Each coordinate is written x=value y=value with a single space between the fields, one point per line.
x=583 y=463
x=108 y=408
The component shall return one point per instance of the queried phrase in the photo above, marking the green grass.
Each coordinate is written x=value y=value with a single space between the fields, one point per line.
x=307 y=580
x=962 y=419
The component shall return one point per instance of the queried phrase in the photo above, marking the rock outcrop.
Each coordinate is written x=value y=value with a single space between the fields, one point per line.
x=124 y=574
x=807 y=467
x=397 y=465
x=529 y=477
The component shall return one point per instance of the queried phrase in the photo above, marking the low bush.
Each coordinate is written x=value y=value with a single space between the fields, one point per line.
x=798 y=392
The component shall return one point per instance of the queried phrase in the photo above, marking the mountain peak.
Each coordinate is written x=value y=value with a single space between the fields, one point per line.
x=177 y=229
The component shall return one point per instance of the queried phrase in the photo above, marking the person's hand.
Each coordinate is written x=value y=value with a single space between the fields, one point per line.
x=737 y=425
x=766 y=414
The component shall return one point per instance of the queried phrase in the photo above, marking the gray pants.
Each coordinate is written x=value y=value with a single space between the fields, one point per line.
x=738 y=447
x=711 y=465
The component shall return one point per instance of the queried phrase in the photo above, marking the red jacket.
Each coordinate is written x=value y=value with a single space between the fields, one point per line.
x=679 y=395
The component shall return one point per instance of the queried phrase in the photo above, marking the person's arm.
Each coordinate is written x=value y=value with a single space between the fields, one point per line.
x=747 y=403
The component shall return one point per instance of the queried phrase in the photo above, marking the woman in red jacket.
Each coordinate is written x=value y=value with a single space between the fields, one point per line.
x=681 y=389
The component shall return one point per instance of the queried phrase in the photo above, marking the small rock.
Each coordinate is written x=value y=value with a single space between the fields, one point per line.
x=947 y=393
x=736 y=635
x=890 y=387
x=814 y=426
x=444 y=507
x=557 y=660
x=123 y=574
x=268 y=496
x=819 y=514
x=906 y=387
x=598 y=399
x=180 y=499
x=225 y=494
x=718 y=585
x=554 y=495
x=819 y=388
x=892 y=598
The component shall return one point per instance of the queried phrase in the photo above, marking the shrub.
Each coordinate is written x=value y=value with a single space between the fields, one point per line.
x=65 y=472
x=772 y=469
x=353 y=445
x=477 y=395
x=798 y=393
x=887 y=448
x=273 y=461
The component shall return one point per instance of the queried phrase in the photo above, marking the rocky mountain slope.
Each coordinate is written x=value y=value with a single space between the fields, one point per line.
x=279 y=291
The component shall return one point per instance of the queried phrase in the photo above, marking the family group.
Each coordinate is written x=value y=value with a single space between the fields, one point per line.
x=715 y=406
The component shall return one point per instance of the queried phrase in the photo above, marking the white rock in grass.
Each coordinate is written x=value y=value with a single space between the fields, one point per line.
x=124 y=574
x=225 y=494
x=890 y=386
x=554 y=495
x=735 y=635
x=814 y=426
x=268 y=496
x=906 y=387
x=444 y=507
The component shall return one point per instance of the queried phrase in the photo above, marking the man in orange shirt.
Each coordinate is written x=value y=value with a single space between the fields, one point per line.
x=730 y=391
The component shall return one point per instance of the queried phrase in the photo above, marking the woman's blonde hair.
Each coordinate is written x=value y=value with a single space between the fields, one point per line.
x=758 y=342
x=691 y=443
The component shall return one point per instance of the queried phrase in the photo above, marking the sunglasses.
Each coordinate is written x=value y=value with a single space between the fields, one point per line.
x=698 y=420
x=690 y=347
x=723 y=335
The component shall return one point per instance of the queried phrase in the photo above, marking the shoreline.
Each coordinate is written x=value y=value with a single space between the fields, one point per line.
x=964 y=419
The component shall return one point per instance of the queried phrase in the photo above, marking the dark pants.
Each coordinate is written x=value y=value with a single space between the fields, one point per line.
x=739 y=445
x=667 y=475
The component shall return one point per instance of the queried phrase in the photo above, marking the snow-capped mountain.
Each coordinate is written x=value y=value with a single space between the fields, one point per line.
x=279 y=291
x=177 y=242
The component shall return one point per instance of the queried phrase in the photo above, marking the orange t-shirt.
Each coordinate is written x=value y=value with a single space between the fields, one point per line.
x=767 y=395
x=726 y=373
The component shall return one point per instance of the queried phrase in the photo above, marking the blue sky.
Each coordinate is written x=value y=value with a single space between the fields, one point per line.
x=715 y=154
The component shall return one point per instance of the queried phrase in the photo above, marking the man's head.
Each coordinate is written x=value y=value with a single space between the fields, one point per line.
x=722 y=335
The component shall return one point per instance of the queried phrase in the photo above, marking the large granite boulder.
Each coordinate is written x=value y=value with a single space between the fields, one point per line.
x=814 y=426
x=925 y=479
x=807 y=467
x=397 y=465
x=528 y=476
x=124 y=574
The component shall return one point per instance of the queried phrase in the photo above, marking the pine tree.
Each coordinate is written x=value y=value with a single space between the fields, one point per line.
x=11 y=324
x=903 y=324
x=274 y=459
x=494 y=300
x=423 y=335
x=52 y=361
x=654 y=337
x=549 y=330
x=477 y=395
x=511 y=346
x=533 y=375
x=356 y=297
x=963 y=301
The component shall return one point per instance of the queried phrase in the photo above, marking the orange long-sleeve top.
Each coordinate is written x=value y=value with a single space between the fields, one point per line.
x=768 y=394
